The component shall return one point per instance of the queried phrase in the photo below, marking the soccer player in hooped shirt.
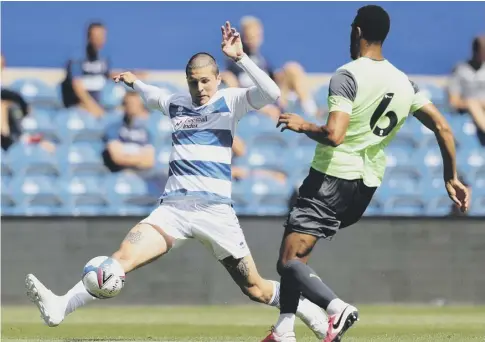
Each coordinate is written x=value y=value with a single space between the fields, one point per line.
x=197 y=198
x=369 y=100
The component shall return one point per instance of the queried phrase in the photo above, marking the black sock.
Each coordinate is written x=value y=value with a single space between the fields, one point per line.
x=289 y=293
x=308 y=282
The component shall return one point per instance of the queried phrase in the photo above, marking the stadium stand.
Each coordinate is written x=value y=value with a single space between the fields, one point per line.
x=72 y=180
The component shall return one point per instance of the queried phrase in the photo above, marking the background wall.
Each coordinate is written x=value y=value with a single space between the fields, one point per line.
x=425 y=38
x=376 y=261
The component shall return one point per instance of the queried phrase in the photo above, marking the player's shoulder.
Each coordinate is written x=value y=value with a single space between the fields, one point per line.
x=229 y=93
x=180 y=98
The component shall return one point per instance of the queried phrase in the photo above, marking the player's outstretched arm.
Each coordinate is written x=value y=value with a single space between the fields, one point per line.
x=332 y=134
x=265 y=91
x=430 y=117
x=152 y=95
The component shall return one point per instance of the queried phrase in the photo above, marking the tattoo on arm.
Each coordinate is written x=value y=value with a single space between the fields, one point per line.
x=238 y=269
x=133 y=237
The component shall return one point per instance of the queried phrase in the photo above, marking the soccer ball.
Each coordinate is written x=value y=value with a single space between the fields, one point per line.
x=103 y=277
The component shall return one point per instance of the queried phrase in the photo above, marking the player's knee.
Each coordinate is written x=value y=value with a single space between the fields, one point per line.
x=285 y=266
x=293 y=68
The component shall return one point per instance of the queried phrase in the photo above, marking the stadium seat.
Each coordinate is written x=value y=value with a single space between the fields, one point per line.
x=254 y=123
x=477 y=207
x=241 y=196
x=112 y=95
x=80 y=159
x=271 y=140
x=438 y=206
x=31 y=159
x=41 y=121
x=77 y=125
x=375 y=208
x=399 y=156
x=35 y=195
x=406 y=205
x=435 y=93
x=471 y=160
x=128 y=193
x=402 y=181
x=83 y=195
x=6 y=170
x=262 y=157
x=269 y=197
x=321 y=96
x=36 y=92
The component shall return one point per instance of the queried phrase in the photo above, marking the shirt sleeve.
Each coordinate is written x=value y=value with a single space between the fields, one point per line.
x=454 y=85
x=111 y=133
x=155 y=98
x=419 y=99
x=76 y=69
x=342 y=92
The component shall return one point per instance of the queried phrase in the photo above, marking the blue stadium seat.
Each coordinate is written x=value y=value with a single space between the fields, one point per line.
x=76 y=125
x=465 y=131
x=269 y=197
x=477 y=181
x=435 y=93
x=241 y=195
x=402 y=181
x=6 y=170
x=269 y=139
x=477 y=207
x=399 y=156
x=80 y=159
x=83 y=195
x=31 y=159
x=262 y=157
x=321 y=96
x=112 y=95
x=128 y=193
x=8 y=203
x=471 y=160
x=36 y=195
x=407 y=205
x=41 y=121
x=254 y=123
x=375 y=207
x=36 y=92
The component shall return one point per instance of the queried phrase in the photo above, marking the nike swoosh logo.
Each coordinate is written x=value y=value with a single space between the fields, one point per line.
x=336 y=325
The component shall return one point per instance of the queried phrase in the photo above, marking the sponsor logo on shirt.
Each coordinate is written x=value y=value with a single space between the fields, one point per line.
x=190 y=123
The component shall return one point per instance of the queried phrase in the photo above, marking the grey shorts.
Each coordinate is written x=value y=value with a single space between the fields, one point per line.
x=326 y=204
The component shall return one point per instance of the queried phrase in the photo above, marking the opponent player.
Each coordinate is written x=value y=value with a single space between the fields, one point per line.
x=369 y=100
x=197 y=198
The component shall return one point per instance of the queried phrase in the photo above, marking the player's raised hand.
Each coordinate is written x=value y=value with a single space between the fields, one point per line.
x=458 y=193
x=231 y=42
x=291 y=121
x=127 y=77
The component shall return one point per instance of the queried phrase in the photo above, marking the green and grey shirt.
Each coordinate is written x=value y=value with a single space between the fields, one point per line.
x=378 y=97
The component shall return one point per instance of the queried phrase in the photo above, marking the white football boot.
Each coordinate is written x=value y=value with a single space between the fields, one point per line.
x=52 y=308
x=339 y=323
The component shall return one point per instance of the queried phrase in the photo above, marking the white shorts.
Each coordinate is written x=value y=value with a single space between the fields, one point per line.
x=215 y=225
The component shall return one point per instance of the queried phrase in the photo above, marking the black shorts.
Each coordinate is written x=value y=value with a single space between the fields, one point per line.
x=326 y=204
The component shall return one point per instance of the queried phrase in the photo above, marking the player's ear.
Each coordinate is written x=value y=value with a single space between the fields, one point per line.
x=219 y=79
x=359 y=32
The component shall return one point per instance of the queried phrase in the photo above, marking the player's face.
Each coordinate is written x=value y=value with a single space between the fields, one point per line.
x=133 y=105
x=203 y=84
x=97 y=37
x=354 y=42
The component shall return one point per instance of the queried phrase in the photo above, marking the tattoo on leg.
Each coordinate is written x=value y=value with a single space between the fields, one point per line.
x=238 y=269
x=133 y=237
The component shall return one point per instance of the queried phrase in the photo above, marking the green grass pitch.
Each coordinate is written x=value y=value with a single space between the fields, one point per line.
x=239 y=323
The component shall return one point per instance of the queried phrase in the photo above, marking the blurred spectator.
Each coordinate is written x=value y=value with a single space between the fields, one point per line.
x=239 y=172
x=128 y=142
x=467 y=85
x=238 y=150
x=14 y=109
x=291 y=78
x=86 y=75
